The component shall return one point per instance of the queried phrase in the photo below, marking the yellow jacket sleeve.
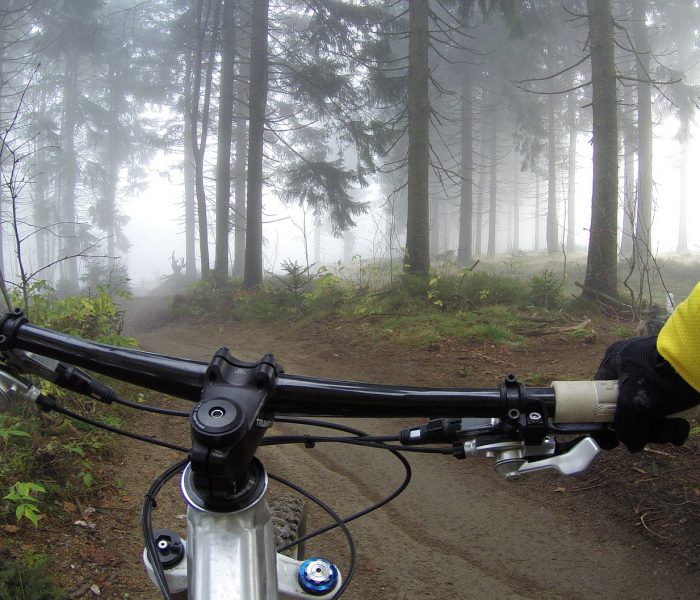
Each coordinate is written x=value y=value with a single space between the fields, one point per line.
x=679 y=339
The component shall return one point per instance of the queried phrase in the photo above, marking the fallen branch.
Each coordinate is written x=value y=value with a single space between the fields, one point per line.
x=603 y=298
x=557 y=330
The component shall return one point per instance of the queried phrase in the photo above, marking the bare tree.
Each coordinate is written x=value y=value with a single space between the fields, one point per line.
x=14 y=177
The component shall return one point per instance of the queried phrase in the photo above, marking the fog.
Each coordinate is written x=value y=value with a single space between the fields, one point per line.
x=156 y=226
x=120 y=121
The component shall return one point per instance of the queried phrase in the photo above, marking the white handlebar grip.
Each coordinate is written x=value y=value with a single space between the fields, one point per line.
x=585 y=401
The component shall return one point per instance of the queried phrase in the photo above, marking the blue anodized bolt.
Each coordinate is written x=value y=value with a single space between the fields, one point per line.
x=317 y=576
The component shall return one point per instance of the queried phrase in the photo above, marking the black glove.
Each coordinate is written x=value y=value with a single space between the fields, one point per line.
x=650 y=389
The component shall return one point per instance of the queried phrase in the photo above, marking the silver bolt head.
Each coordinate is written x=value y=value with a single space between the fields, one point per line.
x=319 y=571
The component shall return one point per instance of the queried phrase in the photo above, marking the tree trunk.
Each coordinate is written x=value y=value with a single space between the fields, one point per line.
x=113 y=165
x=537 y=212
x=571 y=200
x=189 y=175
x=491 y=248
x=223 y=154
x=69 y=231
x=629 y=206
x=601 y=267
x=317 y=241
x=516 y=203
x=199 y=145
x=685 y=61
x=683 y=202
x=41 y=208
x=3 y=271
x=644 y=126
x=552 y=217
x=417 y=258
x=257 y=103
x=239 y=205
x=466 y=204
x=239 y=171
x=239 y=209
x=434 y=229
x=479 y=218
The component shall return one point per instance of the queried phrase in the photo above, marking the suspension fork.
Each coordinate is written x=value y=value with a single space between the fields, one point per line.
x=231 y=554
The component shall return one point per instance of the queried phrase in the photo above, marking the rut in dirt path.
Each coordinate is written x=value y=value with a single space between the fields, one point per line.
x=459 y=531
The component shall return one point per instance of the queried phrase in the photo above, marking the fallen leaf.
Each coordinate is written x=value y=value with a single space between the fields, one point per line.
x=10 y=528
x=69 y=507
x=559 y=489
x=95 y=589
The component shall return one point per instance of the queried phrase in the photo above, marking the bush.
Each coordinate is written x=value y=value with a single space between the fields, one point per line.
x=328 y=294
x=295 y=293
x=23 y=578
x=49 y=451
x=93 y=317
x=487 y=289
x=200 y=299
x=546 y=289
x=293 y=286
x=38 y=450
x=409 y=292
x=474 y=289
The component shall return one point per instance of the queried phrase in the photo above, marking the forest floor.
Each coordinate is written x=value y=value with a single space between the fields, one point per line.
x=629 y=528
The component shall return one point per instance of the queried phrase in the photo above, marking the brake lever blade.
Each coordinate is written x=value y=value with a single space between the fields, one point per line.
x=575 y=460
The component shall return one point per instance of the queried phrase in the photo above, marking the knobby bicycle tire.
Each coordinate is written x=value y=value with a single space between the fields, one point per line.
x=288 y=522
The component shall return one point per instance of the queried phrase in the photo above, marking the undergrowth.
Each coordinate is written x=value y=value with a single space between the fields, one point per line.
x=46 y=459
x=453 y=302
x=25 y=577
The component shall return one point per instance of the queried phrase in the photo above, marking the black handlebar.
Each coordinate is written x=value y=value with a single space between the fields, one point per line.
x=290 y=395
x=324 y=397
x=175 y=376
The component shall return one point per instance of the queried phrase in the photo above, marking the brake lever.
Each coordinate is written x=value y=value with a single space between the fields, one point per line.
x=514 y=458
x=14 y=387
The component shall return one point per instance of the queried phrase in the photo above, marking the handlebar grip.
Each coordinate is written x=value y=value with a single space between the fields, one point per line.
x=585 y=401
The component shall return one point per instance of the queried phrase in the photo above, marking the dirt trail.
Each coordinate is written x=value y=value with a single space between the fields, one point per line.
x=459 y=531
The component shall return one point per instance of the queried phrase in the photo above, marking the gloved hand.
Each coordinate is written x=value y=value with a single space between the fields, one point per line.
x=650 y=389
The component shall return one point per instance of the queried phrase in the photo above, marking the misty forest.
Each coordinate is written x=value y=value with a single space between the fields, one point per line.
x=454 y=130
x=419 y=193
